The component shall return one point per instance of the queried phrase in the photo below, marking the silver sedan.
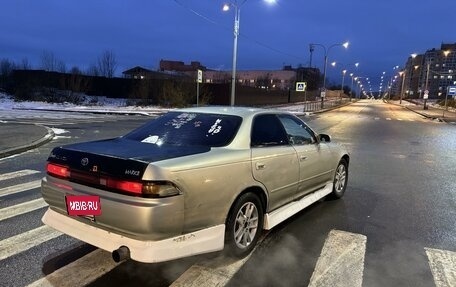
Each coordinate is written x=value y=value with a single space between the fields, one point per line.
x=192 y=181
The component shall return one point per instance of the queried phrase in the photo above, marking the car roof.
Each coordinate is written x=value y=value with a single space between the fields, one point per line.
x=244 y=112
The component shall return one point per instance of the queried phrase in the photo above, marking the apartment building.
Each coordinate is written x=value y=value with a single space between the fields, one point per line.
x=434 y=71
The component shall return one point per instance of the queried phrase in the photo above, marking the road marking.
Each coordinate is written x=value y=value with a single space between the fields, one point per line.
x=216 y=272
x=26 y=240
x=21 y=208
x=18 y=173
x=376 y=118
x=341 y=262
x=80 y=272
x=400 y=119
x=19 y=188
x=388 y=119
x=443 y=266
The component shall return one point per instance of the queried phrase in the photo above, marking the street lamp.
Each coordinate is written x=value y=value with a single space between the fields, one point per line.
x=326 y=50
x=344 y=71
x=402 y=74
x=359 y=84
x=351 y=87
x=410 y=72
x=237 y=11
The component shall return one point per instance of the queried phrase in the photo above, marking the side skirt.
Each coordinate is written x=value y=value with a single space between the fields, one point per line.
x=277 y=216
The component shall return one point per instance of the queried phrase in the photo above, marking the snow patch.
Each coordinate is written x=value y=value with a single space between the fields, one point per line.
x=58 y=131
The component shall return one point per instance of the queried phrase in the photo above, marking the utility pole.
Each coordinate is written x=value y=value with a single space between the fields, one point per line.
x=311 y=48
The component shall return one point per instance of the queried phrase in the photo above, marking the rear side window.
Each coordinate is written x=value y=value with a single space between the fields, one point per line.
x=178 y=128
x=268 y=131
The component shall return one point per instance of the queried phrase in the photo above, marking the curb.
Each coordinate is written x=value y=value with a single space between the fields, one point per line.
x=102 y=112
x=439 y=118
x=20 y=149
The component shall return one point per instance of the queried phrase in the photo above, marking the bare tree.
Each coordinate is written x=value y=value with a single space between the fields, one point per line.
x=25 y=64
x=6 y=67
x=49 y=62
x=75 y=70
x=60 y=66
x=93 y=71
x=107 y=64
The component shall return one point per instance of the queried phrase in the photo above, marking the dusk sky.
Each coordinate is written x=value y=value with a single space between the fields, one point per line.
x=382 y=33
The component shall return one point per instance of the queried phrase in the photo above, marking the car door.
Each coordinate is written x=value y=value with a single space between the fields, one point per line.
x=274 y=161
x=314 y=158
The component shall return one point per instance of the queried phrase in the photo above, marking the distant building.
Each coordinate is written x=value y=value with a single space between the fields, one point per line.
x=433 y=71
x=265 y=79
x=179 y=66
x=143 y=73
x=137 y=73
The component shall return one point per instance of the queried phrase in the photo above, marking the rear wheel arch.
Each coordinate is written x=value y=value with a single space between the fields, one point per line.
x=245 y=222
x=258 y=191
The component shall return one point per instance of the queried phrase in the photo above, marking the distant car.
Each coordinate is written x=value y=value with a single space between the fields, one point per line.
x=191 y=181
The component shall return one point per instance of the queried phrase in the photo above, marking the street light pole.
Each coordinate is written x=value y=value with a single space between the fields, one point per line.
x=402 y=73
x=343 y=78
x=311 y=49
x=237 y=12
x=426 y=91
x=344 y=72
x=326 y=50
x=351 y=88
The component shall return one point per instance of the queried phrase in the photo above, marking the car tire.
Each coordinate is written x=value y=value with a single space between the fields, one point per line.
x=340 y=180
x=244 y=225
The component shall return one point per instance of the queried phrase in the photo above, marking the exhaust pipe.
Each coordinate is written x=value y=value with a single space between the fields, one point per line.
x=121 y=254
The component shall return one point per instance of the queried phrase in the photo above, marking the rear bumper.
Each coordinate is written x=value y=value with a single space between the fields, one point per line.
x=135 y=217
x=203 y=241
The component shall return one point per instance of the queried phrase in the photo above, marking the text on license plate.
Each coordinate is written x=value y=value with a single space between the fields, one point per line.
x=83 y=205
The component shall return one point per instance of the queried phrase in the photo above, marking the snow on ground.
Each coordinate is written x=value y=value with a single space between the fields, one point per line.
x=103 y=104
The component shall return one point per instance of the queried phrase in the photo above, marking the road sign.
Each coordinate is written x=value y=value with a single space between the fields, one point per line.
x=301 y=86
x=200 y=76
x=451 y=90
x=426 y=94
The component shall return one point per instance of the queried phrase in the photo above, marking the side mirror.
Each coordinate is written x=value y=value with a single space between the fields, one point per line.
x=324 y=138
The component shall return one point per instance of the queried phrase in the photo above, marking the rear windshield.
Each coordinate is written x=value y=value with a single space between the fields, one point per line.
x=178 y=128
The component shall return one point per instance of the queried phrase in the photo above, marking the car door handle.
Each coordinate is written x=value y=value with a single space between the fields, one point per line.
x=259 y=165
x=302 y=158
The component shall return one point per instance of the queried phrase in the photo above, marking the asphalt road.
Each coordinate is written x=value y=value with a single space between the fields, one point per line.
x=399 y=208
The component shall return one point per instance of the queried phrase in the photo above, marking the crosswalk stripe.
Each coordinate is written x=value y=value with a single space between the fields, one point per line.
x=443 y=266
x=341 y=262
x=388 y=119
x=20 y=188
x=80 y=272
x=26 y=240
x=216 y=272
x=21 y=208
x=376 y=118
x=16 y=174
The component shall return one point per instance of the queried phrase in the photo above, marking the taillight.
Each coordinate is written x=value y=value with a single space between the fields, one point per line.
x=123 y=185
x=150 y=189
x=58 y=170
x=144 y=189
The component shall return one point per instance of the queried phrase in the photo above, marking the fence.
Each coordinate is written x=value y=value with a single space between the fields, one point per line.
x=312 y=106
